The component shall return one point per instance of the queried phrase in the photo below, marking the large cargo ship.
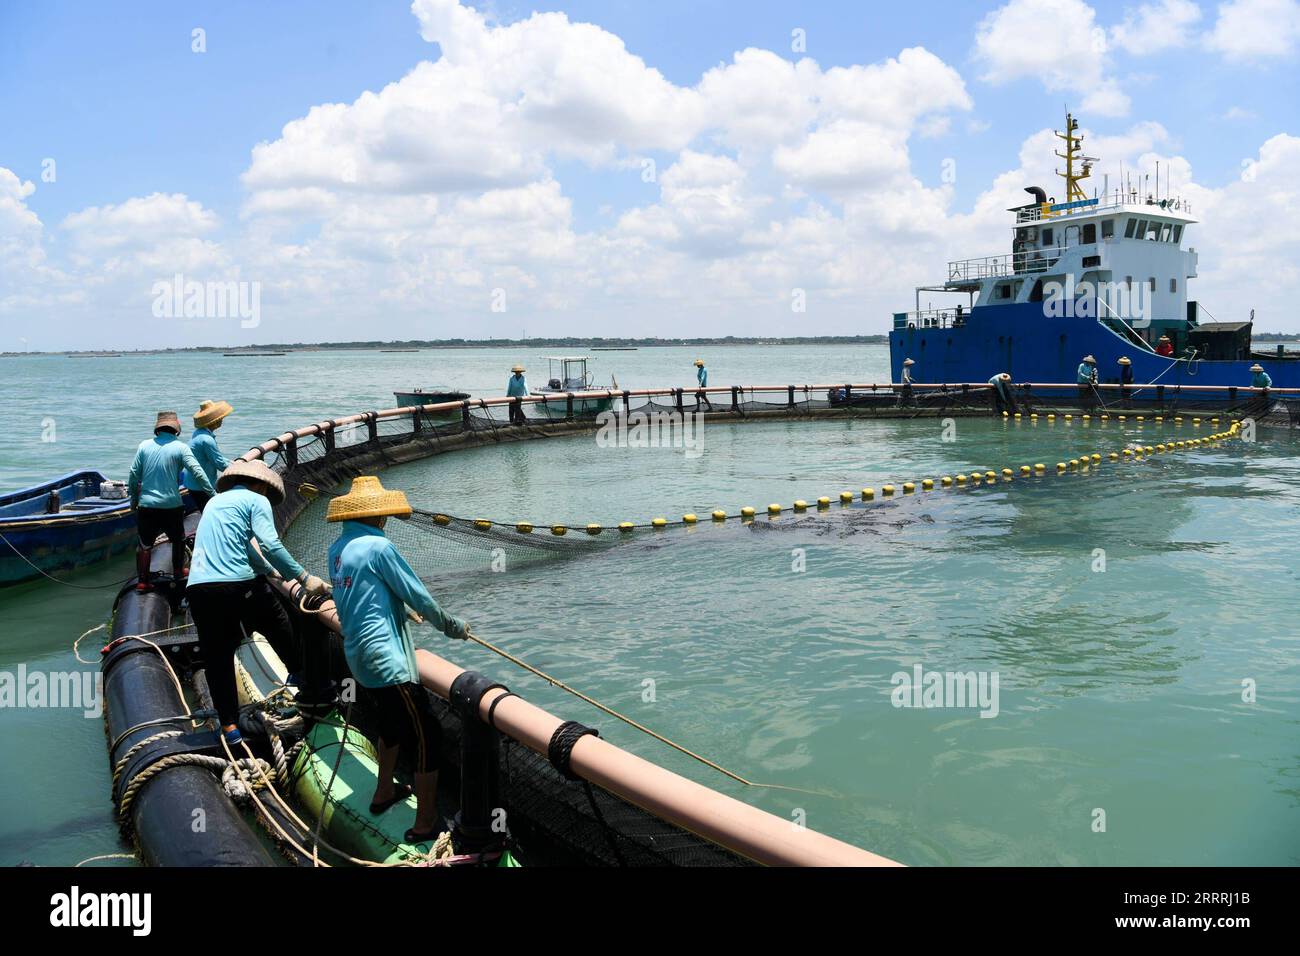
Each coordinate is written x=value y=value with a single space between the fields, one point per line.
x=1104 y=276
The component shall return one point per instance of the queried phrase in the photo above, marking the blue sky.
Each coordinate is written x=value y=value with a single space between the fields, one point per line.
x=153 y=146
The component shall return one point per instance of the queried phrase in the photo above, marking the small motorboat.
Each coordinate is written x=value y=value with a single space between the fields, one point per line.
x=568 y=373
x=71 y=522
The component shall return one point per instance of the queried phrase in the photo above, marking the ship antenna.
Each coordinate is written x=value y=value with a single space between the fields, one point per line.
x=1073 y=147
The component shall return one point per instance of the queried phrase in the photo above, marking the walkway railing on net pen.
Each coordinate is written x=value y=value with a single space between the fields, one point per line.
x=789 y=396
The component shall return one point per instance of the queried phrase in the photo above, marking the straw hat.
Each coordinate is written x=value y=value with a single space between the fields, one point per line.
x=518 y=368
x=699 y=361
x=256 y=470
x=1164 y=338
x=1005 y=376
x=1124 y=360
x=167 y=420
x=368 y=499
x=1257 y=367
x=908 y=362
x=210 y=413
x=1089 y=360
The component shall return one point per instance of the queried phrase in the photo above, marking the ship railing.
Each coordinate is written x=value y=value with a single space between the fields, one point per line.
x=1034 y=213
x=953 y=318
x=1008 y=264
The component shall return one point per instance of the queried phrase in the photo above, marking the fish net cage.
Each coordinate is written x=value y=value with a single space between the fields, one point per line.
x=575 y=822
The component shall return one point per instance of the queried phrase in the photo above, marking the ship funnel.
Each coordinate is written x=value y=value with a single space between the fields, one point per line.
x=1039 y=194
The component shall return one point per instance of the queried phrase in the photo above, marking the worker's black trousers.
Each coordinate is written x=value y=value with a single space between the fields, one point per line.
x=223 y=613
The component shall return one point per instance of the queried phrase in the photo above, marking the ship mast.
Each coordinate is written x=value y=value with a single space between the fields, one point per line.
x=1072 y=154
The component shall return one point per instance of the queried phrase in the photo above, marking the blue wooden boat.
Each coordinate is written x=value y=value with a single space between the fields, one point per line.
x=61 y=525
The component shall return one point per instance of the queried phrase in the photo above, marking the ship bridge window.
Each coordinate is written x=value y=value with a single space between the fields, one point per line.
x=1178 y=234
x=1165 y=231
x=1153 y=231
x=1091 y=262
x=1129 y=227
x=1089 y=233
x=1047 y=237
x=1108 y=228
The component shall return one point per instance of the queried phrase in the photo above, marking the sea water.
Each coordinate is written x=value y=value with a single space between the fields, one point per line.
x=1125 y=631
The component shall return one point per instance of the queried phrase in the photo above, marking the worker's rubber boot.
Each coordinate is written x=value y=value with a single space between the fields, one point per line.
x=142 y=557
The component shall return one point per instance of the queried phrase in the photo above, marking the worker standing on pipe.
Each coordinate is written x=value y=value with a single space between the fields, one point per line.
x=517 y=387
x=228 y=594
x=702 y=378
x=1086 y=377
x=905 y=396
x=1125 y=378
x=373 y=585
x=203 y=442
x=154 y=487
x=1003 y=400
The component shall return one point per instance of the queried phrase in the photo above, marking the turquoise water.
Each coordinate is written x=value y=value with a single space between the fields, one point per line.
x=1119 y=690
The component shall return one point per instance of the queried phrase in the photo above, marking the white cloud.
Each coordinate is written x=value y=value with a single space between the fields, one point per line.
x=1250 y=30
x=1055 y=41
x=1153 y=27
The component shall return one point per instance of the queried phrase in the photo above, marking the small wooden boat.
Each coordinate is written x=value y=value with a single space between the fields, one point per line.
x=63 y=524
x=568 y=373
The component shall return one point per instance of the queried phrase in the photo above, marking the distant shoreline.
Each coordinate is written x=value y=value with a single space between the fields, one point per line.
x=417 y=345
x=568 y=343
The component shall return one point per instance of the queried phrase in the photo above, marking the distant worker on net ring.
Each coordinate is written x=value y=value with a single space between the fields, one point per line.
x=905 y=396
x=373 y=585
x=1003 y=399
x=1086 y=377
x=517 y=387
x=702 y=377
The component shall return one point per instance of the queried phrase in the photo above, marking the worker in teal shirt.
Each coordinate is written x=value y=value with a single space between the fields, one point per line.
x=1003 y=400
x=1086 y=377
x=373 y=587
x=203 y=442
x=517 y=387
x=154 y=487
x=1260 y=378
x=702 y=377
x=228 y=593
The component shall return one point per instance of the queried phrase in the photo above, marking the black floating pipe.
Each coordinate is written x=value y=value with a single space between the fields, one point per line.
x=181 y=816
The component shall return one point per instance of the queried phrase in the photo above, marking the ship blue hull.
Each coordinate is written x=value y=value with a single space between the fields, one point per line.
x=1037 y=348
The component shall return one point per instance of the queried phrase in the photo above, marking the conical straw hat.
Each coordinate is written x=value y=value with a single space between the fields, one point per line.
x=368 y=499
x=1124 y=360
x=252 y=469
x=1257 y=367
x=699 y=361
x=210 y=413
x=1089 y=360
x=518 y=368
